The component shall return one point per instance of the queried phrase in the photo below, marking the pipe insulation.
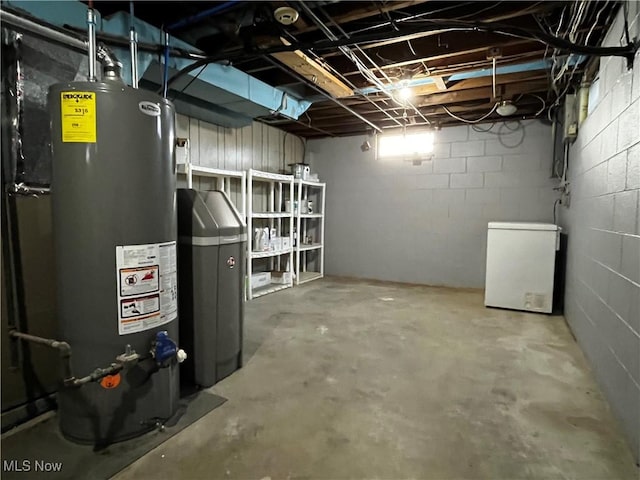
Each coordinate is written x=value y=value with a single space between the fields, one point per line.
x=24 y=25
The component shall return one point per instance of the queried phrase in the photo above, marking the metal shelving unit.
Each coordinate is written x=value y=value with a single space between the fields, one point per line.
x=309 y=230
x=270 y=214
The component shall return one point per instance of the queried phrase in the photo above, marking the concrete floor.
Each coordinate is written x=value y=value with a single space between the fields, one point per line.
x=350 y=379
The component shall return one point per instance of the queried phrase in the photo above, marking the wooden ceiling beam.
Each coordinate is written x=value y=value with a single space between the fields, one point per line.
x=539 y=7
x=432 y=57
x=508 y=92
x=504 y=79
x=525 y=111
x=448 y=98
x=366 y=12
x=481 y=104
x=451 y=87
x=313 y=72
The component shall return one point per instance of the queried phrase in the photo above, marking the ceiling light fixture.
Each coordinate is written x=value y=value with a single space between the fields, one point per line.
x=506 y=108
x=405 y=93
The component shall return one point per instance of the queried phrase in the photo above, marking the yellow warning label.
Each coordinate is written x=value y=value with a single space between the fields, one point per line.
x=78 y=111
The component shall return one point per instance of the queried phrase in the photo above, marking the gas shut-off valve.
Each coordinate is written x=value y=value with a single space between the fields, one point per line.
x=164 y=350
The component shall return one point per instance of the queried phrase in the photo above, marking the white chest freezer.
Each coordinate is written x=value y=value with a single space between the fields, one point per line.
x=521 y=265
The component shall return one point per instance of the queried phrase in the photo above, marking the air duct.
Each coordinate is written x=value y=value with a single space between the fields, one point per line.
x=222 y=95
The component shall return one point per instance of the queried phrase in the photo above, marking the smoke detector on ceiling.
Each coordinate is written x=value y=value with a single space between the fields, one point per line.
x=506 y=108
x=286 y=15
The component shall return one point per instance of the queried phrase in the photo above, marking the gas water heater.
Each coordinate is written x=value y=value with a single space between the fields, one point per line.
x=114 y=213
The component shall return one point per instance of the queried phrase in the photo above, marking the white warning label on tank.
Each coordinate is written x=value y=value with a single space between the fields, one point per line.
x=147 y=286
x=136 y=281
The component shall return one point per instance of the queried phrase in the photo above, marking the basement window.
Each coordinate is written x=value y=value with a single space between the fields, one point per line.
x=405 y=146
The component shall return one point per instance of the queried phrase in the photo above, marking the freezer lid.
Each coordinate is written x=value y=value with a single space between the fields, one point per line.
x=523 y=226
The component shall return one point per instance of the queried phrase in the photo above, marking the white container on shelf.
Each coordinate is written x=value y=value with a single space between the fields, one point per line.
x=260 y=279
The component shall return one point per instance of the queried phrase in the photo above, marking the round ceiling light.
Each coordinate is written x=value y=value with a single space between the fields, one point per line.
x=286 y=15
x=405 y=93
x=506 y=108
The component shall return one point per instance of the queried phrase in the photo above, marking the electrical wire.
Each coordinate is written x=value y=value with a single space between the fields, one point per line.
x=411 y=48
x=441 y=25
x=625 y=14
x=360 y=65
x=542 y=100
x=478 y=129
x=193 y=79
x=501 y=134
x=517 y=122
x=453 y=115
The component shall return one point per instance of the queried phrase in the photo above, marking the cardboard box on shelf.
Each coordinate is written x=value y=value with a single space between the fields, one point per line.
x=281 y=278
x=286 y=243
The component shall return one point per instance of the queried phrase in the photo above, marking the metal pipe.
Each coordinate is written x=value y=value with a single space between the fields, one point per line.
x=91 y=24
x=69 y=380
x=494 y=77
x=133 y=47
x=347 y=52
x=350 y=54
x=23 y=189
x=41 y=31
x=123 y=42
x=63 y=347
x=353 y=87
x=199 y=16
x=165 y=76
x=45 y=32
x=97 y=375
x=583 y=102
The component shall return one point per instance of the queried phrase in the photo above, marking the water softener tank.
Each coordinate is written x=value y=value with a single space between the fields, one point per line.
x=114 y=213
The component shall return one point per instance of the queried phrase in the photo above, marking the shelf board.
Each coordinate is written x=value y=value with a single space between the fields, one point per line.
x=270 y=215
x=266 y=289
x=305 y=277
x=310 y=183
x=258 y=175
x=311 y=215
x=270 y=253
x=208 y=171
x=313 y=246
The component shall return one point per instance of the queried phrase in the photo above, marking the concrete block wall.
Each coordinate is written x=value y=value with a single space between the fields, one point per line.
x=427 y=223
x=603 y=271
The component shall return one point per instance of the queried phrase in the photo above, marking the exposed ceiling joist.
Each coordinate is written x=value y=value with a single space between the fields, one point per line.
x=404 y=41
x=314 y=72
x=366 y=12
x=541 y=7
